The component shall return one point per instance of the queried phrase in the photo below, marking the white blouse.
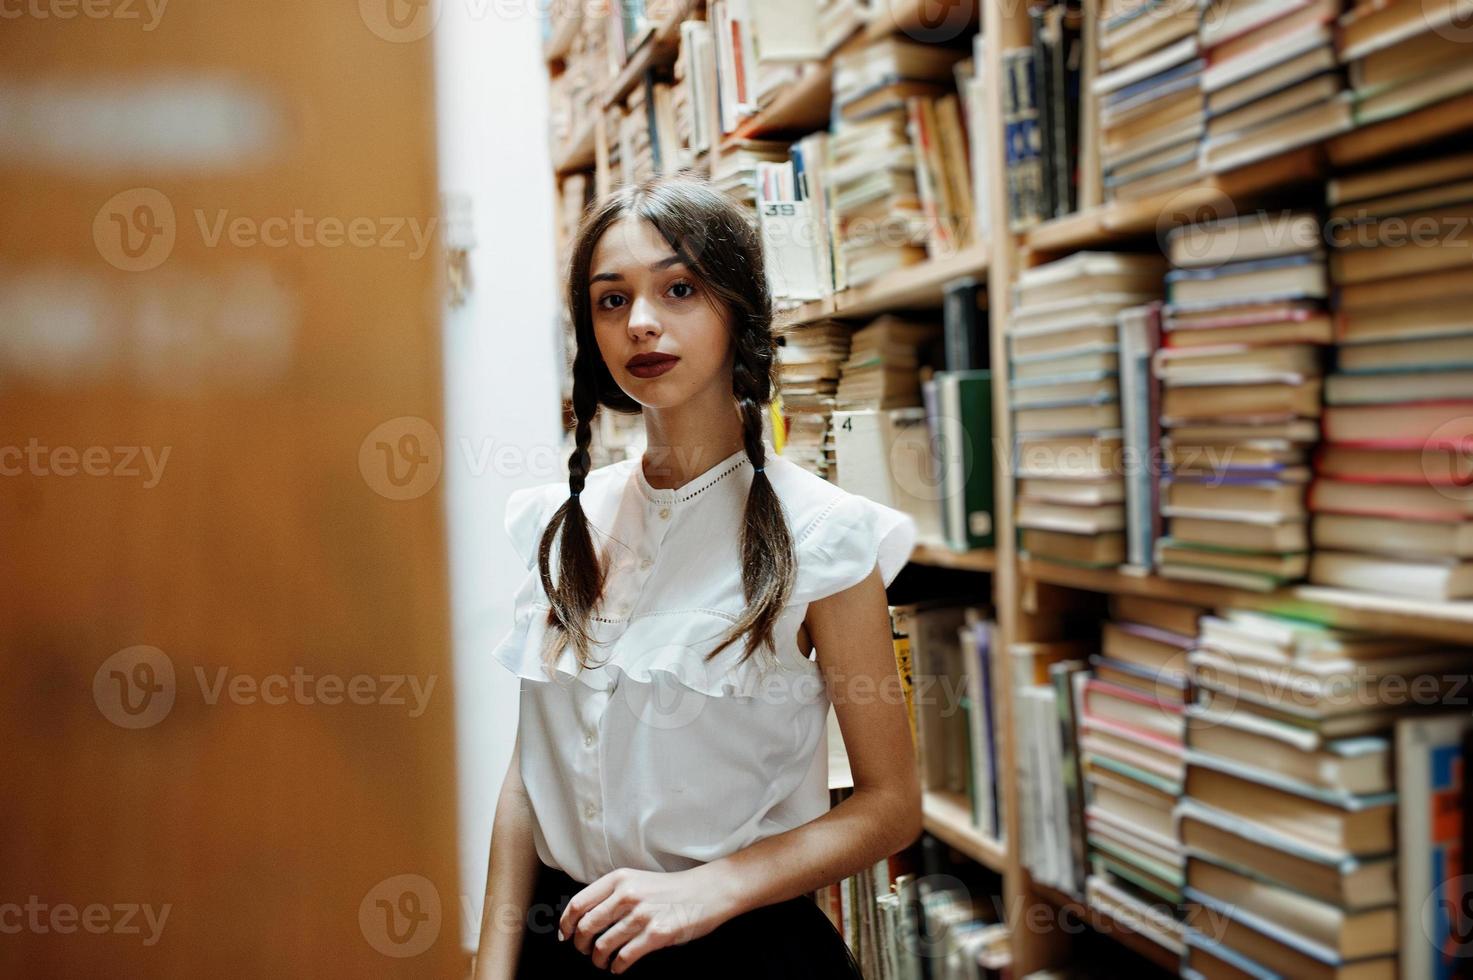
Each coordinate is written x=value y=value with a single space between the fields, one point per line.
x=655 y=759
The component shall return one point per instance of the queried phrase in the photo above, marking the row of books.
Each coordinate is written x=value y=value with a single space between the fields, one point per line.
x=1261 y=795
x=1183 y=88
x=888 y=186
x=1064 y=395
x=1272 y=439
x=917 y=915
x=1391 y=505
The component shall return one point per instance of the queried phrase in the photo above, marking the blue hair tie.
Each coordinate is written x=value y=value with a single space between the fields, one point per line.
x=576 y=492
x=760 y=469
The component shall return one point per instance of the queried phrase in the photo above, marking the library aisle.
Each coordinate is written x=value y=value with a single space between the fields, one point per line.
x=1132 y=340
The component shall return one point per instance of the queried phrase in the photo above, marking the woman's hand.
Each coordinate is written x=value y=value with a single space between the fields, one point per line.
x=628 y=913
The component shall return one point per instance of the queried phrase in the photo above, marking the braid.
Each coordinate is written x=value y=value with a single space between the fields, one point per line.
x=769 y=567
x=580 y=576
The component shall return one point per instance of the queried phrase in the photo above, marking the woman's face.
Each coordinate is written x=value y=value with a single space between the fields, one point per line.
x=664 y=336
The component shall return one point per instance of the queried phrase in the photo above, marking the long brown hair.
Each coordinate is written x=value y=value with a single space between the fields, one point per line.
x=714 y=238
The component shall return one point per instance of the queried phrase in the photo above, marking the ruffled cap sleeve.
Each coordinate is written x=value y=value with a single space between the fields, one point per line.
x=527 y=513
x=845 y=542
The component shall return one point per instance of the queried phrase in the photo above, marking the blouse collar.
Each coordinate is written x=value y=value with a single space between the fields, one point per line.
x=724 y=468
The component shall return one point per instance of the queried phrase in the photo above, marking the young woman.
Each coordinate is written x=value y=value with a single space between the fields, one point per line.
x=686 y=621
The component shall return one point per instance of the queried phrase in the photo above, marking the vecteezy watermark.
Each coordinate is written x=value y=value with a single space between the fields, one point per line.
x=137 y=229
x=98 y=918
x=137 y=688
x=147 y=12
x=401 y=915
x=401 y=458
x=1447 y=918
x=127 y=462
x=134 y=230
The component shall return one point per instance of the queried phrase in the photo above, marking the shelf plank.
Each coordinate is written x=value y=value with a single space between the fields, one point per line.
x=556 y=47
x=976 y=560
x=1213 y=196
x=919 y=285
x=802 y=107
x=948 y=817
x=1450 y=621
x=578 y=154
x=658 y=50
x=1108 y=925
x=1423 y=126
x=809 y=312
x=917 y=20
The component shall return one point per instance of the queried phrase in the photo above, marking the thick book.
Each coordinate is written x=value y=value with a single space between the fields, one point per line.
x=1430 y=780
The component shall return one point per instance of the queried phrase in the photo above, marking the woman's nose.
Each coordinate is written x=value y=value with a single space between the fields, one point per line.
x=642 y=315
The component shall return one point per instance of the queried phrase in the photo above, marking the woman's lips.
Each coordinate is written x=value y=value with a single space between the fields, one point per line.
x=652 y=368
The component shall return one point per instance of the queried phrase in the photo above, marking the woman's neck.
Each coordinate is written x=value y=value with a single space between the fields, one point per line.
x=681 y=446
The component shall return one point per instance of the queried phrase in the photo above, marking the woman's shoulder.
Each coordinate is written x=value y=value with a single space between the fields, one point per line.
x=839 y=536
x=529 y=508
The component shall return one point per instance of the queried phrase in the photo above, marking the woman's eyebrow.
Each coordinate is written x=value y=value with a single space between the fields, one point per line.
x=664 y=263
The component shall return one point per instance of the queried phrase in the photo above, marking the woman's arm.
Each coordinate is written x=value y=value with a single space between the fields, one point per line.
x=510 y=879
x=851 y=631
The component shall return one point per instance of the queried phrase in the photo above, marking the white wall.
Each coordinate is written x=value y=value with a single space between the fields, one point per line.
x=501 y=376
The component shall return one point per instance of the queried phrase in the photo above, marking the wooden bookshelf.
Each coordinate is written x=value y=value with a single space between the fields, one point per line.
x=948 y=816
x=801 y=108
x=920 y=286
x=579 y=153
x=555 y=48
x=976 y=560
x=922 y=19
x=657 y=50
x=1024 y=591
x=1451 y=621
x=1108 y=925
x=1216 y=194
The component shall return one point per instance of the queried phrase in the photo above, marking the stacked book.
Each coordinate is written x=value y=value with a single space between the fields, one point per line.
x=809 y=359
x=943 y=173
x=1290 y=815
x=1058 y=59
x=697 y=116
x=1132 y=747
x=1049 y=679
x=1402 y=57
x=1062 y=350
x=1272 y=82
x=1241 y=377
x=734 y=172
x=879 y=208
x=1392 y=508
x=1150 y=98
x=883 y=369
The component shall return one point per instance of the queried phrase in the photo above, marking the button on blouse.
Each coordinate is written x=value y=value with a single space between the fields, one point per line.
x=655 y=758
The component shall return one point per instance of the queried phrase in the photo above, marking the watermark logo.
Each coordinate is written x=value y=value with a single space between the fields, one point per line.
x=148 y=12
x=98 y=918
x=134 y=688
x=400 y=21
x=401 y=458
x=1447 y=918
x=400 y=916
x=1178 y=224
x=1450 y=19
x=135 y=230
x=1447 y=458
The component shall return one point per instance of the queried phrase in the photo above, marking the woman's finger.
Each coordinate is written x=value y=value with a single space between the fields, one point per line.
x=612 y=939
x=581 y=904
x=595 y=920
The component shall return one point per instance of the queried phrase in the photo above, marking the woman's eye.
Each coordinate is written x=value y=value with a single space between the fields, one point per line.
x=691 y=290
x=609 y=301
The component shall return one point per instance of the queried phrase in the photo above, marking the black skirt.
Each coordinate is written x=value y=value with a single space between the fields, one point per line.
x=792 y=938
